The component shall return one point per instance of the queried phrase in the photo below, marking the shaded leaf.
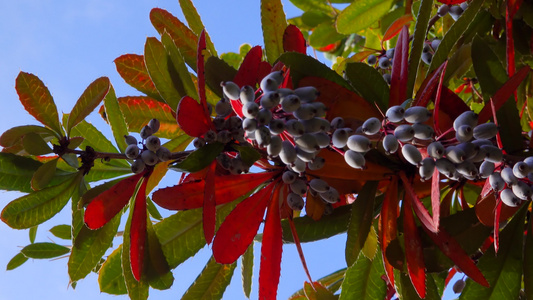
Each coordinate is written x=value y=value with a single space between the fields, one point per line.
x=413 y=251
x=13 y=135
x=212 y=282
x=216 y=71
x=16 y=261
x=16 y=172
x=199 y=159
x=369 y=83
x=37 y=100
x=37 y=207
x=157 y=269
x=360 y=221
x=88 y=101
x=88 y=248
x=110 y=278
x=249 y=155
x=421 y=212
x=138 y=231
x=115 y=118
x=157 y=63
x=34 y=144
x=428 y=88
x=248 y=73
x=209 y=207
x=361 y=14
x=132 y=69
x=527 y=262
x=409 y=292
x=316 y=291
x=44 y=174
x=179 y=65
x=388 y=231
x=44 y=250
x=62 y=231
x=272 y=247
x=240 y=227
x=183 y=37
x=399 y=75
x=247 y=265
x=273 y=22
x=363 y=280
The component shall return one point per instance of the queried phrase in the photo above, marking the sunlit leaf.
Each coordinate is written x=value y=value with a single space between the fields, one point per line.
x=138 y=231
x=273 y=24
x=16 y=261
x=88 y=101
x=33 y=233
x=132 y=69
x=293 y=40
x=212 y=281
x=361 y=14
x=324 y=34
x=62 y=231
x=38 y=101
x=110 y=276
x=191 y=117
x=195 y=22
x=247 y=265
x=44 y=250
x=363 y=280
x=37 y=207
x=248 y=73
x=397 y=26
x=115 y=118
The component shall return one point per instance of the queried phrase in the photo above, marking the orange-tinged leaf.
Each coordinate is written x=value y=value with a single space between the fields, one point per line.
x=451 y=248
x=88 y=101
x=503 y=94
x=314 y=207
x=138 y=231
x=427 y=89
x=414 y=252
x=293 y=40
x=191 y=117
x=183 y=37
x=132 y=69
x=190 y=195
x=485 y=208
x=37 y=100
x=106 y=205
x=400 y=64
x=421 y=211
x=209 y=211
x=271 y=248
x=240 y=226
x=397 y=26
x=248 y=73
x=388 y=224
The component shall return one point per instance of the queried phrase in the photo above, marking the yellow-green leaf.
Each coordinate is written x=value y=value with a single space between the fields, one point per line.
x=211 y=283
x=361 y=14
x=88 y=101
x=110 y=277
x=44 y=174
x=195 y=23
x=273 y=22
x=115 y=119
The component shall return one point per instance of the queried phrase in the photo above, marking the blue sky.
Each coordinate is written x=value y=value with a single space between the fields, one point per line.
x=68 y=45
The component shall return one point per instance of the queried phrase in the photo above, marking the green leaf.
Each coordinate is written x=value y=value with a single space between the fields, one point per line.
x=248 y=154
x=363 y=279
x=33 y=233
x=115 y=119
x=370 y=247
x=88 y=101
x=62 y=231
x=88 y=248
x=212 y=282
x=179 y=66
x=137 y=290
x=528 y=262
x=454 y=33
x=369 y=83
x=303 y=65
x=195 y=23
x=16 y=172
x=314 y=18
x=13 y=135
x=231 y=58
x=247 y=267
x=138 y=111
x=152 y=209
x=459 y=63
x=42 y=177
x=110 y=276
x=332 y=281
x=38 y=101
x=216 y=71
x=93 y=137
x=16 y=261
x=199 y=159
x=44 y=250
x=408 y=292
x=360 y=221
x=324 y=34
x=311 y=5
x=273 y=22
x=157 y=269
x=310 y=230
x=103 y=170
x=34 y=144
x=361 y=14
x=504 y=270
x=419 y=38
x=37 y=207
x=157 y=63
x=184 y=38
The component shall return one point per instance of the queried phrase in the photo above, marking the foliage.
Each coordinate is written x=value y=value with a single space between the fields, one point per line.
x=407 y=227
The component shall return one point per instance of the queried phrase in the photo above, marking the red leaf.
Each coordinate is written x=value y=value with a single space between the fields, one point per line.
x=496 y=230
x=237 y=107
x=435 y=196
x=513 y=6
x=396 y=26
x=271 y=248
x=200 y=67
x=293 y=40
x=503 y=94
x=132 y=69
x=106 y=205
x=190 y=194
x=296 y=240
x=452 y=273
x=427 y=89
x=414 y=252
x=421 y=211
x=191 y=117
x=138 y=231
x=509 y=41
x=437 y=102
x=248 y=71
x=398 y=86
x=209 y=211
x=451 y=248
x=240 y=227
x=389 y=213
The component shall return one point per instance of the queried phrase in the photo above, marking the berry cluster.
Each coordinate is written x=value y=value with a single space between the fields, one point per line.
x=455 y=11
x=384 y=62
x=150 y=152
